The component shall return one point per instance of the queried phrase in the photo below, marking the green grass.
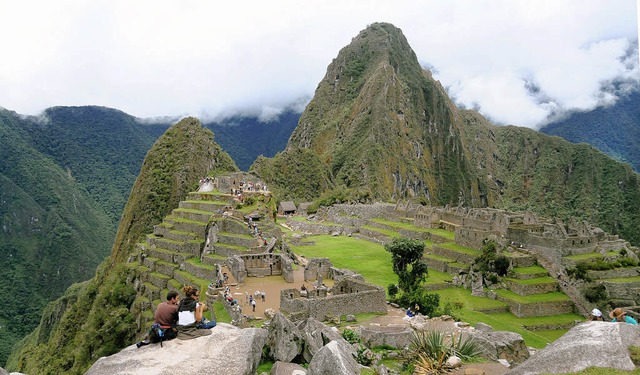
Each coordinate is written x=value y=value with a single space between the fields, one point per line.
x=531 y=270
x=546 y=297
x=460 y=249
x=470 y=302
x=365 y=257
x=440 y=258
x=197 y=262
x=408 y=226
x=588 y=256
x=623 y=279
x=222 y=316
x=386 y=232
x=210 y=202
x=537 y=280
x=438 y=277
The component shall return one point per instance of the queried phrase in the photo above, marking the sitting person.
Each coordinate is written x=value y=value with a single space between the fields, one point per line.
x=166 y=317
x=190 y=315
x=619 y=315
x=596 y=315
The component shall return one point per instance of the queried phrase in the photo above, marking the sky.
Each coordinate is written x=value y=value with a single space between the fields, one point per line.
x=517 y=62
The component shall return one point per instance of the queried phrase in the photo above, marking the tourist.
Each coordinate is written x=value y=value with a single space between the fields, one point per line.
x=190 y=314
x=253 y=305
x=596 y=315
x=263 y=296
x=166 y=316
x=619 y=315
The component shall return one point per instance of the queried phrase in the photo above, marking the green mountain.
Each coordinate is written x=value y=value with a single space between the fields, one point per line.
x=53 y=232
x=614 y=130
x=381 y=125
x=93 y=319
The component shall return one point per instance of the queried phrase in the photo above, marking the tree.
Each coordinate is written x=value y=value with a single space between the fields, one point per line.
x=406 y=256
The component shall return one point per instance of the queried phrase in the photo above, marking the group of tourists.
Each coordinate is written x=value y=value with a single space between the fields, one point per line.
x=181 y=318
x=617 y=315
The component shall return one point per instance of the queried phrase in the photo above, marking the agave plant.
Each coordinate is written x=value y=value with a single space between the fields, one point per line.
x=429 y=351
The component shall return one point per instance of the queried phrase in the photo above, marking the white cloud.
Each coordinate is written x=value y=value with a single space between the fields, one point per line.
x=205 y=58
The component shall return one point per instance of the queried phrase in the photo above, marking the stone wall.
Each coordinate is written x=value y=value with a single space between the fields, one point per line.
x=260 y=265
x=317 y=266
x=347 y=296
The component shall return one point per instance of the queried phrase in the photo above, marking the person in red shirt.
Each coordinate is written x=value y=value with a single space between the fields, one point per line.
x=167 y=317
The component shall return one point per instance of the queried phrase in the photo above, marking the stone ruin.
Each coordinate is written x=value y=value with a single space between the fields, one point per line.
x=350 y=294
x=260 y=265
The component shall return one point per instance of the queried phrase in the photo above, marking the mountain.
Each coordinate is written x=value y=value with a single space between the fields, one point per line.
x=92 y=319
x=381 y=125
x=614 y=130
x=53 y=232
x=245 y=138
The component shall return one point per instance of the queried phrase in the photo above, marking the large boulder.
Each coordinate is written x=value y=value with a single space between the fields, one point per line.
x=590 y=344
x=281 y=368
x=285 y=341
x=337 y=357
x=316 y=335
x=228 y=350
x=397 y=337
x=496 y=345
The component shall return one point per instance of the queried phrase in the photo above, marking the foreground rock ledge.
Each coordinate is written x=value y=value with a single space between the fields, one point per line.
x=227 y=351
x=590 y=344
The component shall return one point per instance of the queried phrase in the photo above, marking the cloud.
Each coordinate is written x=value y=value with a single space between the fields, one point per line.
x=212 y=59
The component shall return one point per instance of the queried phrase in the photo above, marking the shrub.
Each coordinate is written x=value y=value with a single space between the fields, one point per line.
x=392 y=289
x=596 y=293
x=351 y=336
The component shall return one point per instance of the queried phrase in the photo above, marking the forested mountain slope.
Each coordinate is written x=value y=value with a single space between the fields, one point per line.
x=53 y=232
x=614 y=130
x=93 y=319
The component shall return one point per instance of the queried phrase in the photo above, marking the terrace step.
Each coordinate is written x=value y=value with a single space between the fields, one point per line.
x=243 y=240
x=546 y=304
x=196 y=215
x=210 y=196
x=540 y=285
x=186 y=225
x=519 y=259
x=375 y=234
x=214 y=259
x=526 y=273
x=166 y=232
x=190 y=247
x=167 y=255
x=212 y=206
x=201 y=270
x=460 y=254
x=151 y=291
x=158 y=279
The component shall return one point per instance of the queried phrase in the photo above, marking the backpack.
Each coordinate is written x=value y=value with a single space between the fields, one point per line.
x=160 y=334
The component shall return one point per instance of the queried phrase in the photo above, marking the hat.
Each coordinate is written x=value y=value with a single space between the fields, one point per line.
x=616 y=313
x=596 y=312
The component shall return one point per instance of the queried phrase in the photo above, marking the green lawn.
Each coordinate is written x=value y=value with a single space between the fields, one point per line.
x=531 y=270
x=588 y=256
x=537 y=280
x=386 y=232
x=365 y=257
x=624 y=279
x=546 y=297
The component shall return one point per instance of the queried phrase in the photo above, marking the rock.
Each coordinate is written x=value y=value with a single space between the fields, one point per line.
x=316 y=335
x=269 y=313
x=334 y=358
x=501 y=345
x=590 y=344
x=396 y=337
x=228 y=350
x=483 y=327
x=284 y=340
x=282 y=368
x=351 y=318
x=504 y=362
x=454 y=362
